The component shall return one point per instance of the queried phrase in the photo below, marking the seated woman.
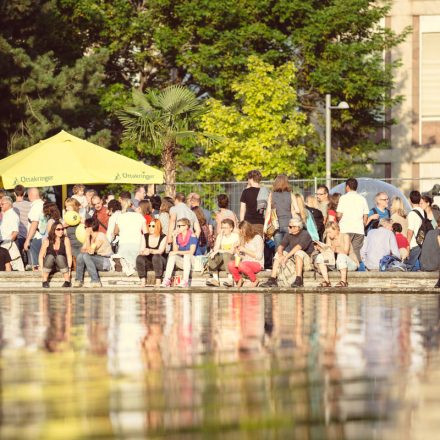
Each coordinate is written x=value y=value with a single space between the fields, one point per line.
x=55 y=252
x=184 y=247
x=94 y=256
x=249 y=255
x=226 y=242
x=151 y=256
x=339 y=243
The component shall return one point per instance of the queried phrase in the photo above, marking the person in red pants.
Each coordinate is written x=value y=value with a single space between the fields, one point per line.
x=249 y=256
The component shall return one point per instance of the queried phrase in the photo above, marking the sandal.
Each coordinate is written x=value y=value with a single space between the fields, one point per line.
x=342 y=284
x=213 y=283
x=325 y=284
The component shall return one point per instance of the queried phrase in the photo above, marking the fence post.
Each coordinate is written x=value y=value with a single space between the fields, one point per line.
x=316 y=184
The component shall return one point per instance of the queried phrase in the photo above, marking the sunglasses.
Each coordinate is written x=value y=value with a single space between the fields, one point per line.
x=181 y=226
x=291 y=227
x=151 y=225
x=59 y=229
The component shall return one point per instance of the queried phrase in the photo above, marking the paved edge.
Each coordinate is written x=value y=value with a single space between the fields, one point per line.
x=244 y=290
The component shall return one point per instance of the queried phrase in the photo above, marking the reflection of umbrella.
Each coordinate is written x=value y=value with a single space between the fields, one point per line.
x=65 y=159
x=370 y=187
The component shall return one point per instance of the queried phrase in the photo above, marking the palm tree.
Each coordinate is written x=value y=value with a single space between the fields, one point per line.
x=163 y=119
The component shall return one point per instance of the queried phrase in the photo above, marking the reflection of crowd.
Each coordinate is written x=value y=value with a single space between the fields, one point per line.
x=276 y=229
x=307 y=355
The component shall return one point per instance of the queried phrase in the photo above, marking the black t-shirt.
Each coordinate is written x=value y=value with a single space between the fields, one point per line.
x=4 y=259
x=303 y=239
x=249 y=197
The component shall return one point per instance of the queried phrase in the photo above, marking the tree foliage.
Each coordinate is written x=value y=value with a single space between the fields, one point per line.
x=262 y=129
x=98 y=50
x=161 y=123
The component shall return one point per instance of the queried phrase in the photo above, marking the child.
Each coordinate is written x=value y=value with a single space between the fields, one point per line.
x=402 y=241
x=78 y=194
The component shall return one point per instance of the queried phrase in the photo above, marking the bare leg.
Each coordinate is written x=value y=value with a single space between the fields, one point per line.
x=299 y=264
x=344 y=275
x=324 y=272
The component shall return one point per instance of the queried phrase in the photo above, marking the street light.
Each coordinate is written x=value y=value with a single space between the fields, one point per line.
x=328 y=134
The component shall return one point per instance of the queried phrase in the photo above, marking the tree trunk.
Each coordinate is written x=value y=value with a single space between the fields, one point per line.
x=169 y=166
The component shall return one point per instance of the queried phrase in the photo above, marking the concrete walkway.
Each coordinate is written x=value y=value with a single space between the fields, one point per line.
x=115 y=282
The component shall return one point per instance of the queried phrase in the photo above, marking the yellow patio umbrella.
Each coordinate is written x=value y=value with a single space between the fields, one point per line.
x=65 y=159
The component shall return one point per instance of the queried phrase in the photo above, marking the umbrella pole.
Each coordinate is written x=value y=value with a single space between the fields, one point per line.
x=63 y=194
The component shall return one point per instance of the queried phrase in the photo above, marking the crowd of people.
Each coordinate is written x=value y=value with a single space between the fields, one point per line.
x=277 y=229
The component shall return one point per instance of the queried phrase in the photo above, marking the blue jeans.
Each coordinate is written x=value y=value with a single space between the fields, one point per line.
x=413 y=259
x=279 y=235
x=34 y=250
x=93 y=263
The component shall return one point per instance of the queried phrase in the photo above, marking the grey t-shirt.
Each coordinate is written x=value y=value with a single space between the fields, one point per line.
x=182 y=211
x=22 y=209
x=302 y=238
x=282 y=202
x=430 y=256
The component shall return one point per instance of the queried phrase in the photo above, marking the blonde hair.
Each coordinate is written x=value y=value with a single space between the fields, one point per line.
x=77 y=188
x=312 y=201
x=397 y=206
x=302 y=207
x=332 y=225
x=126 y=204
x=73 y=203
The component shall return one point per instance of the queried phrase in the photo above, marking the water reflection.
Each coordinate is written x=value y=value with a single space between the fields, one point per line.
x=202 y=365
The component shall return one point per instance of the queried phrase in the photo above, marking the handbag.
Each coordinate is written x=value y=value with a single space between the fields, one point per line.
x=273 y=225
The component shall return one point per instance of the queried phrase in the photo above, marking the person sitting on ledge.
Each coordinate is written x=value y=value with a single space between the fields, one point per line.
x=5 y=261
x=95 y=254
x=249 y=255
x=300 y=243
x=184 y=247
x=56 y=252
x=378 y=243
x=151 y=256
x=226 y=242
x=339 y=243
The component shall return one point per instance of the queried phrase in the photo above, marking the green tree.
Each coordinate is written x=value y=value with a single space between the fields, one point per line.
x=262 y=129
x=47 y=83
x=163 y=123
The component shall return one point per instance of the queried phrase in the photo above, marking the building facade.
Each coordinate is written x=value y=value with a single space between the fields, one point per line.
x=415 y=139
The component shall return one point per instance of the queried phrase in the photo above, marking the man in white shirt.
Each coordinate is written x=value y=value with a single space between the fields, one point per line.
x=178 y=211
x=352 y=213
x=35 y=234
x=414 y=223
x=9 y=232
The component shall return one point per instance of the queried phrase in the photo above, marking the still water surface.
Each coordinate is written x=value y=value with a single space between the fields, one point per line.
x=219 y=365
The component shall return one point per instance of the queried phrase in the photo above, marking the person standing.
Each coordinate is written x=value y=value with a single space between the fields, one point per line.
x=352 y=212
x=280 y=200
x=415 y=219
x=249 y=202
x=179 y=211
x=22 y=208
x=100 y=214
x=9 y=232
x=322 y=194
x=36 y=227
x=139 y=194
x=223 y=213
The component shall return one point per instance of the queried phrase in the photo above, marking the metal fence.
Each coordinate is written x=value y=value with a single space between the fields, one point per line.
x=210 y=190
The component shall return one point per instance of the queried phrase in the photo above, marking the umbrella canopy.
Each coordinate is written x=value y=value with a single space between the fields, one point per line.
x=65 y=159
x=370 y=187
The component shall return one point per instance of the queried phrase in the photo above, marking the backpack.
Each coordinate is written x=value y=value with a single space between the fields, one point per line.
x=425 y=227
x=374 y=224
x=206 y=238
x=390 y=263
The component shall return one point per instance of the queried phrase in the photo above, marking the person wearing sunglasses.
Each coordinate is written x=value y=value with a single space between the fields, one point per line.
x=151 y=256
x=379 y=212
x=56 y=252
x=300 y=243
x=184 y=247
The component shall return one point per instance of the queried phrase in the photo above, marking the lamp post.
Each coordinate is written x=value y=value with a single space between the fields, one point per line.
x=328 y=135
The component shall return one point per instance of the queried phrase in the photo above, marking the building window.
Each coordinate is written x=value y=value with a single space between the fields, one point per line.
x=430 y=80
